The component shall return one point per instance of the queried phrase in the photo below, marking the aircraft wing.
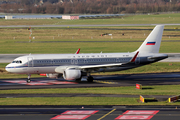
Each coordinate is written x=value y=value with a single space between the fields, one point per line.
x=94 y=67
x=109 y=65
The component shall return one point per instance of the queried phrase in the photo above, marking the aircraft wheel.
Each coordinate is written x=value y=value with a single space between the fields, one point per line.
x=90 y=79
x=28 y=80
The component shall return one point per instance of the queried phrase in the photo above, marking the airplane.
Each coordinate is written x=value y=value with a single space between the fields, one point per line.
x=76 y=66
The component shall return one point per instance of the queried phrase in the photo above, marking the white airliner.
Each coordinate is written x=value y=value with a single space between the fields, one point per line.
x=75 y=66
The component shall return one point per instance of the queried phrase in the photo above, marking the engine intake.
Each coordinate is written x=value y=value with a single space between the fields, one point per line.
x=72 y=74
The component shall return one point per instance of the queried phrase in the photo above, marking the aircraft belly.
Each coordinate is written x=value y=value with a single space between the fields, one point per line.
x=18 y=70
x=46 y=69
x=36 y=70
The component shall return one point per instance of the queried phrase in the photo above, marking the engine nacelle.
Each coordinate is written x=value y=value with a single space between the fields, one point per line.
x=72 y=74
x=54 y=75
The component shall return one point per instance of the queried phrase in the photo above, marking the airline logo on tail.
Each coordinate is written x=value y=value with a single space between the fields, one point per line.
x=150 y=43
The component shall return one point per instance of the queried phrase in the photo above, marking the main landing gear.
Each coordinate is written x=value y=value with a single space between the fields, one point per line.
x=90 y=79
x=29 y=80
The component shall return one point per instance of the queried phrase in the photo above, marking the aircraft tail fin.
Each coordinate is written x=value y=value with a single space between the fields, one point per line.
x=153 y=41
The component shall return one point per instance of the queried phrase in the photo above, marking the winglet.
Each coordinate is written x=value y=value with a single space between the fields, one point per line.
x=77 y=52
x=134 y=58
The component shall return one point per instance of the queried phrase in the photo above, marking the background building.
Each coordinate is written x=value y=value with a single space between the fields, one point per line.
x=70 y=17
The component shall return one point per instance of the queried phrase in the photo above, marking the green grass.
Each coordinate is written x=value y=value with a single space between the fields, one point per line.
x=78 y=101
x=21 y=43
x=86 y=47
x=154 y=90
x=64 y=47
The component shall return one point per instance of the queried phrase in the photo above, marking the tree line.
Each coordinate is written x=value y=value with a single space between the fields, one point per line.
x=88 y=6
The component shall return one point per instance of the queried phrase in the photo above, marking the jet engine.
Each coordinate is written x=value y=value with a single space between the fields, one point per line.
x=72 y=74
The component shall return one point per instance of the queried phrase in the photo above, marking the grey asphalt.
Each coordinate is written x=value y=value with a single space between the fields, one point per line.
x=99 y=81
x=103 y=112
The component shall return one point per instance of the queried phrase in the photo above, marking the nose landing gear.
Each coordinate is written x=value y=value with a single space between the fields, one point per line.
x=29 y=80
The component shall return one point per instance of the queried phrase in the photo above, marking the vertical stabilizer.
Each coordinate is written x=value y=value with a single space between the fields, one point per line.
x=153 y=41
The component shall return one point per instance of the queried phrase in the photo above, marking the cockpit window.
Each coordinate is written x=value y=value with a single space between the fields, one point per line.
x=17 y=61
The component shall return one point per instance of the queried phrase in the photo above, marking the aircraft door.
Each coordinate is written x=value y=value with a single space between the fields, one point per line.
x=74 y=61
x=30 y=62
x=85 y=61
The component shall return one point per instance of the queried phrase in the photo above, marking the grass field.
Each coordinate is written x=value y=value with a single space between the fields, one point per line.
x=127 y=90
x=155 y=90
x=78 y=101
x=18 y=41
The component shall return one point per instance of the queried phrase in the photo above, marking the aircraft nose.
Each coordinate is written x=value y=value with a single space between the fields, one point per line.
x=9 y=68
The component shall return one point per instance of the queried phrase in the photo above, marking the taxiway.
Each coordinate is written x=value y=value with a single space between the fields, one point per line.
x=89 y=112
x=99 y=81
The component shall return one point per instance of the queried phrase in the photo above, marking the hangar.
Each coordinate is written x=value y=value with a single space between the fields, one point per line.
x=70 y=17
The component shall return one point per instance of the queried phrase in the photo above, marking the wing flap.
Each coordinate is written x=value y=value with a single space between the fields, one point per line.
x=100 y=66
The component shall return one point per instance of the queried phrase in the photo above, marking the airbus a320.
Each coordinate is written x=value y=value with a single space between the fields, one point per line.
x=75 y=66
